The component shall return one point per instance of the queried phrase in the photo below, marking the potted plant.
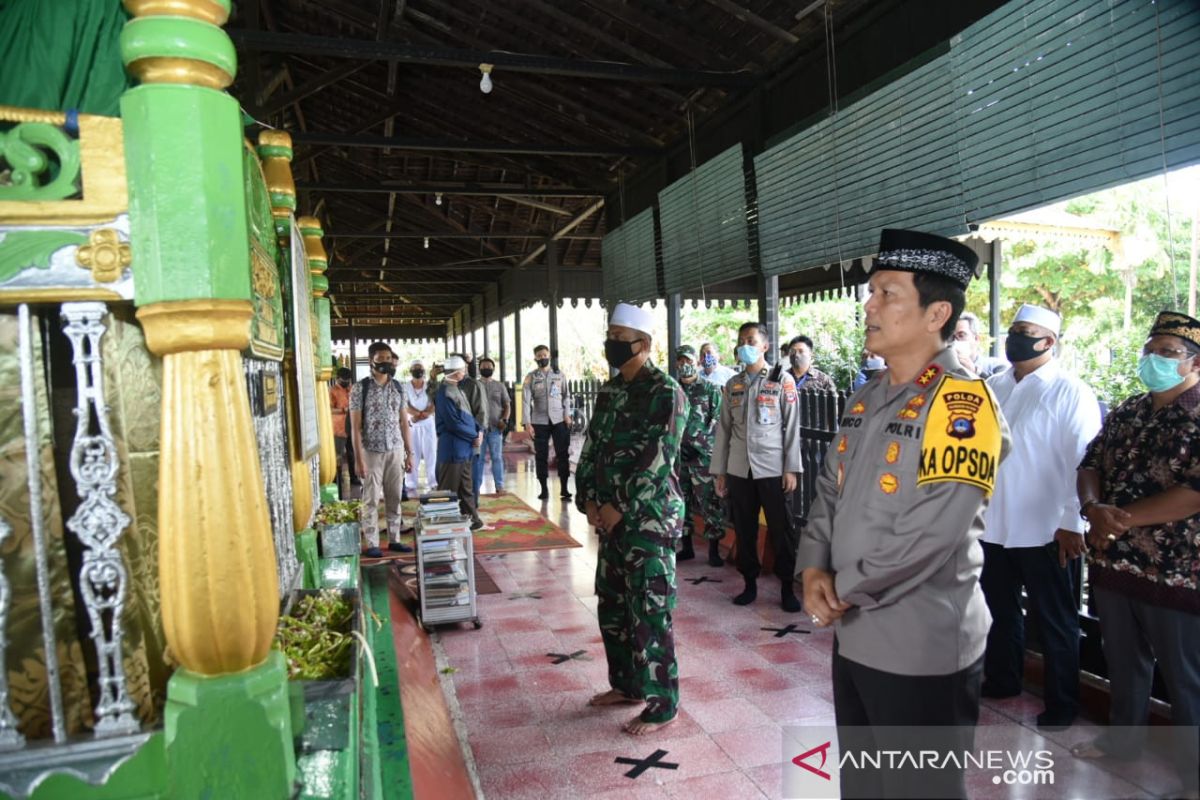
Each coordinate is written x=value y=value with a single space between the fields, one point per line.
x=338 y=526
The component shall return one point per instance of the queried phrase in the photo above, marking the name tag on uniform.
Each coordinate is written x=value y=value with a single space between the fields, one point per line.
x=554 y=390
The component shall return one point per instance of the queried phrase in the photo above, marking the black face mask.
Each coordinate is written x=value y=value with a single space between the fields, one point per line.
x=487 y=373
x=418 y=374
x=384 y=368
x=542 y=362
x=617 y=353
x=342 y=383
x=1019 y=347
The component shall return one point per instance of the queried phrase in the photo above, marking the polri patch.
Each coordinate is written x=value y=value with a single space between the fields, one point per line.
x=962 y=436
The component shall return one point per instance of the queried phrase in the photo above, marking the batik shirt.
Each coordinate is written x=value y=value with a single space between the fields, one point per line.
x=630 y=455
x=1139 y=453
x=381 y=420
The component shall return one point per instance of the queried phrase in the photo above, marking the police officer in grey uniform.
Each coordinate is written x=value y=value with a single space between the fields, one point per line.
x=547 y=410
x=756 y=461
x=891 y=554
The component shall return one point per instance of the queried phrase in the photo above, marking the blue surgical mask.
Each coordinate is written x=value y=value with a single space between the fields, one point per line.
x=748 y=354
x=1160 y=374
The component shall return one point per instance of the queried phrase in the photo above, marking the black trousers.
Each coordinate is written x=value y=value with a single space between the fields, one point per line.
x=456 y=477
x=1051 y=591
x=878 y=710
x=746 y=497
x=562 y=450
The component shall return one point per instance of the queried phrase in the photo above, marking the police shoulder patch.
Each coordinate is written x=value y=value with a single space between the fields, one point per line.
x=962 y=435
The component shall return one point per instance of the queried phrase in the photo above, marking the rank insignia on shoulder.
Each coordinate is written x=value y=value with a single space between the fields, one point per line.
x=888 y=483
x=908 y=413
x=843 y=444
x=858 y=408
x=893 y=453
x=928 y=375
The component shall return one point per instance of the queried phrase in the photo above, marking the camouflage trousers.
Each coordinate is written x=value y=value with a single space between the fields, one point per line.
x=700 y=494
x=635 y=585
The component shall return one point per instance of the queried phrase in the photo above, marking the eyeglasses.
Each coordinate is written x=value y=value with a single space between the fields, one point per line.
x=963 y=336
x=1165 y=352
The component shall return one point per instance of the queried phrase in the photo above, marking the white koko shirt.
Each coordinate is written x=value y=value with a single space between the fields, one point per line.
x=1053 y=416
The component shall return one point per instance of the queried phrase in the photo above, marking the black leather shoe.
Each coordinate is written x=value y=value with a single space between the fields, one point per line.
x=565 y=494
x=545 y=495
x=748 y=596
x=1057 y=721
x=372 y=552
x=399 y=547
x=714 y=554
x=994 y=692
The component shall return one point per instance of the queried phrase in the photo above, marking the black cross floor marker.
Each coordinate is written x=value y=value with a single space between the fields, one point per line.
x=643 y=764
x=562 y=658
x=704 y=579
x=523 y=595
x=782 y=632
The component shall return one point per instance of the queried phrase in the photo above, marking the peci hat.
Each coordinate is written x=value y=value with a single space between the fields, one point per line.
x=1173 y=323
x=454 y=364
x=637 y=319
x=1039 y=316
x=927 y=253
x=686 y=351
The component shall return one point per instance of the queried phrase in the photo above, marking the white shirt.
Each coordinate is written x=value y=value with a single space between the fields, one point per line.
x=1052 y=416
x=719 y=377
x=418 y=399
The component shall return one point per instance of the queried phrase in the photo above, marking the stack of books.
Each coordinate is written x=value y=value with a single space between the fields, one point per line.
x=446 y=584
x=438 y=507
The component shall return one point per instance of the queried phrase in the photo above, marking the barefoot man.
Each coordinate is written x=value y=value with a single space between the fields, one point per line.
x=627 y=483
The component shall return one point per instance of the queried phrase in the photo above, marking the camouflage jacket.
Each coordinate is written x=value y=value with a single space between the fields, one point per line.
x=630 y=455
x=704 y=401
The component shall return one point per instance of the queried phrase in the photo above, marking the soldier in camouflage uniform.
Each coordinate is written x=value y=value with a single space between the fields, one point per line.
x=628 y=486
x=695 y=453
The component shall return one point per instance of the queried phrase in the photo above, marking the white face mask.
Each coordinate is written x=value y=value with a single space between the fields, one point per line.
x=963 y=348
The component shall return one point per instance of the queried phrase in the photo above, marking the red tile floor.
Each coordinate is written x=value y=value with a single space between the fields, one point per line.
x=532 y=735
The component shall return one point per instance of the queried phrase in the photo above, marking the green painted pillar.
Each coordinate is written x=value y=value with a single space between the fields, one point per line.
x=227 y=723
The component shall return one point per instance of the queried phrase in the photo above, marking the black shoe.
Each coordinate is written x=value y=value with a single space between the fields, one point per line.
x=355 y=482
x=372 y=552
x=477 y=524
x=749 y=595
x=688 y=552
x=788 y=601
x=545 y=495
x=1058 y=721
x=714 y=554
x=399 y=547
x=565 y=494
x=994 y=692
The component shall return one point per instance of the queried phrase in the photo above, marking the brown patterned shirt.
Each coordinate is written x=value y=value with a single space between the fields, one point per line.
x=1139 y=453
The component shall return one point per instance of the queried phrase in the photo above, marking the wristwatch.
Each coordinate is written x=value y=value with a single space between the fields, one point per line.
x=1083 y=508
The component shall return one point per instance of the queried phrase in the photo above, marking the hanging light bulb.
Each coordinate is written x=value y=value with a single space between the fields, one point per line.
x=485 y=83
x=437 y=199
x=426 y=242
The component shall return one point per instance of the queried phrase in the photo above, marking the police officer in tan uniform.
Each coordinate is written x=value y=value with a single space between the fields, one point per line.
x=891 y=555
x=756 y=462
x=547 y=410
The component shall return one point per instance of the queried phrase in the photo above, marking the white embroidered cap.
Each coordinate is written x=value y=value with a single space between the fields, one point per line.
x=628 y=316
x=1039 y=316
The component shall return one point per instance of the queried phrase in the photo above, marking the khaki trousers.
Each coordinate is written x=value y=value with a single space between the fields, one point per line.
x=385 y=476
